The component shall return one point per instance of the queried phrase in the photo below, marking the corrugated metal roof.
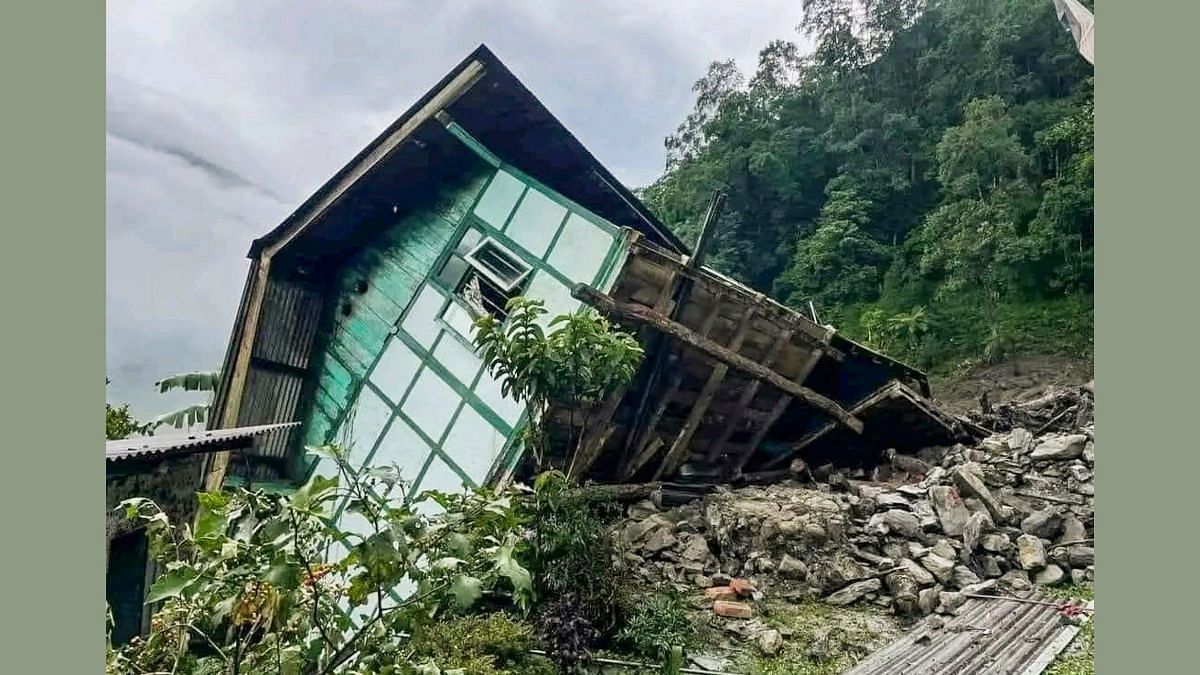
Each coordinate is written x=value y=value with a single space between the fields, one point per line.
x=998 y=636
x=181 y=444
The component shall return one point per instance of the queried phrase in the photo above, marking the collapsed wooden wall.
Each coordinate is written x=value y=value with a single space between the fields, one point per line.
x=728 y=373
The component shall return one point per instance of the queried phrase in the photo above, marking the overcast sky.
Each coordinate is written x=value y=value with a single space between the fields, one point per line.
x=223 y=115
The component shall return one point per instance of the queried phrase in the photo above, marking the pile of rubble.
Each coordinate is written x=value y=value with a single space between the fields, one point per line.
x=917 y=534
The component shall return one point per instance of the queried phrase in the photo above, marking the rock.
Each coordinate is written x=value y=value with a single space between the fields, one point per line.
x=1079 y=472
x=638 y=530
x=990 y=566
x=1059 y=556
x=892 y=500
x=1016 y=581
x=927 y=600
x=1047 y=523
x=1082 y=556
x=1089 y=454
x=696 y=549
x=949 y=602
x=935 y=623
x=709 y=663
x=702 y=581
x=1019 y=440
x=962 y=576
x=770 y=642
x=1079 y=577
x=972 y=485
x=1059 y=448
x=659 y=540
x=1031 y=554
x=925 y=514
x=976 y=526
x=720 y=593
x=1073 y=529
x=642 y=509
x=1052 y=575
x=904 y=590
x=981 y=588
x=895 y=521
x=995 y=543
x=939 y=567
x=922 y=576
x=950 y=510
x=932 y=477
x=732 y=610
x=854 y=592
x=721 y=579
x=944 y=549
x=792 y=568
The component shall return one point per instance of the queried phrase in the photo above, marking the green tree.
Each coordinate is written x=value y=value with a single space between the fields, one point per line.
x=120 y=423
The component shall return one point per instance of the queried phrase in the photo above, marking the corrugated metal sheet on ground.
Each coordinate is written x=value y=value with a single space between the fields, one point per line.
x=205 y=441
x=998 y=637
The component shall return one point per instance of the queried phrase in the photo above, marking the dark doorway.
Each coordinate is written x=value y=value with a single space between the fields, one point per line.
x=126 y=584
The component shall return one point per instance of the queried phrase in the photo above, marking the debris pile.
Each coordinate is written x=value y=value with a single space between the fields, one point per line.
x=917 y=534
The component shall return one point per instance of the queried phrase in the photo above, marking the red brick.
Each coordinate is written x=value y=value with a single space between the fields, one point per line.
x=720 y=593
x=742 y=587
x=734 y=610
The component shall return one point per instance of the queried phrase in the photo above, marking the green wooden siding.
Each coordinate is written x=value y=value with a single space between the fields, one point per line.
x=399 y=382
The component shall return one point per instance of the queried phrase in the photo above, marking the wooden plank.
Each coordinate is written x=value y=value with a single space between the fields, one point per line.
x=777 y=412
x=691 y=338
x=676 y=454
x=642 y=457
x=747 y=396
x=667 y=396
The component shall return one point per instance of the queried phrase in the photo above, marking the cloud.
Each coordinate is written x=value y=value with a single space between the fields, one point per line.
x=222 y=116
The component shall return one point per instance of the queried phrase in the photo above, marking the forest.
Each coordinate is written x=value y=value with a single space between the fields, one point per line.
x=923 y=176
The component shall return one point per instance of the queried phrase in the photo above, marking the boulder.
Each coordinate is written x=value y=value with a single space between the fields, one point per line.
x=962 y=576
x=640 y=529
x=903 y=523
x=1051 y=575
x=769 y=642
x=971 y=484
x=927 y=599
x=939 y=567
x=990 y=566
x=1047 y=523
x=922 y=576
x=1031 y=553
x=1089 y=454
x=1019 y=440
x=892 y=500
x=925 y=514
x=995 y=543
x=950 y=601
x=944 y=549
x=976 y=526
x=904 y=590
x=660 y=539
x=1082 y=556
x=1073 y=529
x=1059 y=448
x=854 y=592
x=950 y=510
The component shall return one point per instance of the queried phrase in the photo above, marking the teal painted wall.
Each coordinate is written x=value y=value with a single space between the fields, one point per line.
x=401 y=383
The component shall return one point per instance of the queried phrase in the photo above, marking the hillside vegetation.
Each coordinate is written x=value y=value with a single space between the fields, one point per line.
x=924 y=176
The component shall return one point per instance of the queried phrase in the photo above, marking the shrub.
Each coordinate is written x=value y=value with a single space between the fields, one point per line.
x=656 y=624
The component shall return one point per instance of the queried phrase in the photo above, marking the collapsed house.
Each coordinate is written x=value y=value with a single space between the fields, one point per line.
x=357 y=313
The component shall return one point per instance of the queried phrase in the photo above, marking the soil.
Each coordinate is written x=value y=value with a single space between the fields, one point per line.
x=1017 y=379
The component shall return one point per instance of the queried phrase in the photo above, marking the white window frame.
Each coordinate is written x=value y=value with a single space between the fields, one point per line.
x=474 y=262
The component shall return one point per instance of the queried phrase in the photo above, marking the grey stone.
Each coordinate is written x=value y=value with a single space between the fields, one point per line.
x=939 y=567
x=1020 y=439
x=659 y=540
x=1052 y=575
x=990 y=566
x=1047 y=523
x=950 y=510
x=922 y=576
x=1080 y=473
x=702 y=581
x=1016 y=580
x=895 y=521
x=696 y=548
x=1079 y=577
x=925 y=515
x=981 y=588
x=892 y=500
x=642 y=509
x=944 y=549
x=1073 y=529
x=1089 y=453
x=927 y=600
x=949 y=602
x=854 y=592
x=1031 y=553
x=638 y=530
x=1059 y=448
x=962 y=576
x=972 y=485
x=977 y=525
x=904 y=589
x=770 y=642
x=792 y=568
x=1059 y=556
x=995 y=543
x=1082 y=556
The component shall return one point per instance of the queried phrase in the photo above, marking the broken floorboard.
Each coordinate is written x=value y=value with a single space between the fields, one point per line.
x=999 y=636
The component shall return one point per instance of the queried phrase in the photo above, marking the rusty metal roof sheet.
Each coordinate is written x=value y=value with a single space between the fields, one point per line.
x=999 y=636
x=186 y=444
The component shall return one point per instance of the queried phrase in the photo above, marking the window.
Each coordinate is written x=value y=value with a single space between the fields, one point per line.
x=484 y=275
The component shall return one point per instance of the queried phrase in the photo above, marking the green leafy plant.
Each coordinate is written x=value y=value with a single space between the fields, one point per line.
x=192 y=415
x=120 y=423
x=576 y=361
x=491 y=644
x=258 y=584
x=655 y=624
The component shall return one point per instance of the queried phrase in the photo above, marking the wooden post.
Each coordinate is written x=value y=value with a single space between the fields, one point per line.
x=689 y=337
x=747 y=396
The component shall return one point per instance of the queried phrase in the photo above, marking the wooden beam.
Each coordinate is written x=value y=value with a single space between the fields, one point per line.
x=777 y=412
x=689 y=337
x=679 y=447
x=751 y=390
x=642 y=457
x=643 y=436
